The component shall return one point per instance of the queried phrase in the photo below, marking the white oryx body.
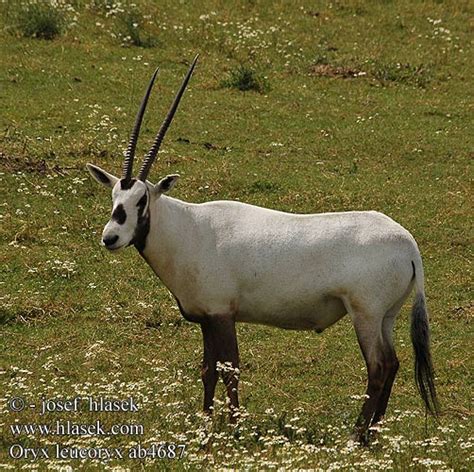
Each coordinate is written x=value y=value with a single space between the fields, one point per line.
x=227 y=262
x=275 y=268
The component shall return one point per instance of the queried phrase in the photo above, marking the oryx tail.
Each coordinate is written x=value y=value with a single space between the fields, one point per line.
x=420 y=338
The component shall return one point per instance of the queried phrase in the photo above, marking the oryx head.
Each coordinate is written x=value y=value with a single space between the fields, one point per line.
x=129 y=222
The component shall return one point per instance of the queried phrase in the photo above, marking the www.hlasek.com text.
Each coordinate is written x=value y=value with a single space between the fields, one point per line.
x=71 y=428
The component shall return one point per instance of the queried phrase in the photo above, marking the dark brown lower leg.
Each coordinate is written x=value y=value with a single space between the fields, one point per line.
x=220 y=345
x=228 y=356
x=209 y=373
x=392 y=369
x=374 y=389
x=371 y=344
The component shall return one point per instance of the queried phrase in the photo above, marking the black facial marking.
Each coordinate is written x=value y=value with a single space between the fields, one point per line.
x=119 y=214
x=141 y=232
x=127 y=184
x=142 y=202
x=143 y=226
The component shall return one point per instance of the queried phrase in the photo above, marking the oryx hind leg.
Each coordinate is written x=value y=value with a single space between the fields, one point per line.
x=371 y=344
x=368 y=326
x=390 y=356
x=373 y=322
x=391 y=364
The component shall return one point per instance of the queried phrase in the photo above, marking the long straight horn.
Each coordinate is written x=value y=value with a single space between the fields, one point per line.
x=150 y=157
x=130 y=152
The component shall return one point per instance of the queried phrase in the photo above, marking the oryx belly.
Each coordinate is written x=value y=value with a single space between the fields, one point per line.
x=317 y=313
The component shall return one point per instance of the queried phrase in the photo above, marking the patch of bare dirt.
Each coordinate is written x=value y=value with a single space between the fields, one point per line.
x=340 y=72
x=24 y=164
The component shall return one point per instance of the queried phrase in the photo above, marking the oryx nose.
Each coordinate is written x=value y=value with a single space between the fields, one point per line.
x=110 y=240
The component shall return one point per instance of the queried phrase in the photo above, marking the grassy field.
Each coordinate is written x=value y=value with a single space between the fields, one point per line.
x=351 y=105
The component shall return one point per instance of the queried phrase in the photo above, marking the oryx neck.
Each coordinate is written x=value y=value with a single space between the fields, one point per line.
x=170 y=223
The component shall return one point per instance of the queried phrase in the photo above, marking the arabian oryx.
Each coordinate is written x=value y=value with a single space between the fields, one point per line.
x=226 y=261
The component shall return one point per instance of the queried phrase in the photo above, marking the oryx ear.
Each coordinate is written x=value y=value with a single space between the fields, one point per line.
x=102 y=176
x=165 y=184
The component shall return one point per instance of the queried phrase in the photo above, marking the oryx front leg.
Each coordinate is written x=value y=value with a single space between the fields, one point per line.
x=221 y=355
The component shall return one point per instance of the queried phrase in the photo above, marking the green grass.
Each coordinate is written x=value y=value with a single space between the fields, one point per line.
x=76 y=320
x=245 y=78
x=131 y=29
x=32 y=19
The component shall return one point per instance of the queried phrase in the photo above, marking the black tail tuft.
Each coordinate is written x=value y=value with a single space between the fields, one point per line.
x=420 y=338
